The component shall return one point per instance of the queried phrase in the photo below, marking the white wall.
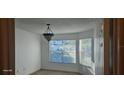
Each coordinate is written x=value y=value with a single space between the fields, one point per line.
x=99 y=51
x=28 y=52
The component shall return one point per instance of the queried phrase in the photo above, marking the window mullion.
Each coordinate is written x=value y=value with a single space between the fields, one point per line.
x=77 y=52
x=62 y=52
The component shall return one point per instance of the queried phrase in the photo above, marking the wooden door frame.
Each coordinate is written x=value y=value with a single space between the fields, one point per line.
x=106 y=46
x=7 y=46
x=116 y=59
x=109 y=68
x=12 y=45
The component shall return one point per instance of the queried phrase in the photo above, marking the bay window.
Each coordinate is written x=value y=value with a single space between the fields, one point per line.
x=64 y=51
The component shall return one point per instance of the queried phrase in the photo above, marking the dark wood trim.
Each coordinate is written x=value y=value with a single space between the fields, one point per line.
x=106 y=46
x=7 y=46
x=11 y=25
x=119 y=40
x=114 y=47
x=116 y=59
x=4 y=46
x=118 y=46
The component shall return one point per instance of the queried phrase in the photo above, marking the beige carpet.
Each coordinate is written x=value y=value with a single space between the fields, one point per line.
x=53 y=72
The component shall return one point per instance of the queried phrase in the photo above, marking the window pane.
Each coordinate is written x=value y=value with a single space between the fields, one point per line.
x=55 y=51
x=85 y=51
x=69 y=51
x=62 y=51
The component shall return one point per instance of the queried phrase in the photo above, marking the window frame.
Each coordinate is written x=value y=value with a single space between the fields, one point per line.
x=77 y=55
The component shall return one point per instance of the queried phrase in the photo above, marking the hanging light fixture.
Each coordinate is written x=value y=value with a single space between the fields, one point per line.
x=48 y=33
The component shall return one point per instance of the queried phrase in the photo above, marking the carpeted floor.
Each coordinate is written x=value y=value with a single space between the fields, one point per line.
x=53 y=72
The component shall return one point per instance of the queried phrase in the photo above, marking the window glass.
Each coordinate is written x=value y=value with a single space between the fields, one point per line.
x=86 y=51
x=62 y=51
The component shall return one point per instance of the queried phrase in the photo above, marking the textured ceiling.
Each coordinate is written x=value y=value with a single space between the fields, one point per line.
x=58 y=25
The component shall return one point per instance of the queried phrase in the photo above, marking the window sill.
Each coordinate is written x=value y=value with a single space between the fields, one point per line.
x=62 y=63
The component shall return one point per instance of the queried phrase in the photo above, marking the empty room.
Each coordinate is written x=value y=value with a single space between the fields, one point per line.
x=59 y=46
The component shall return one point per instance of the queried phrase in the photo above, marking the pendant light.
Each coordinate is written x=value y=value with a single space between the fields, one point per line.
x=48 y=33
